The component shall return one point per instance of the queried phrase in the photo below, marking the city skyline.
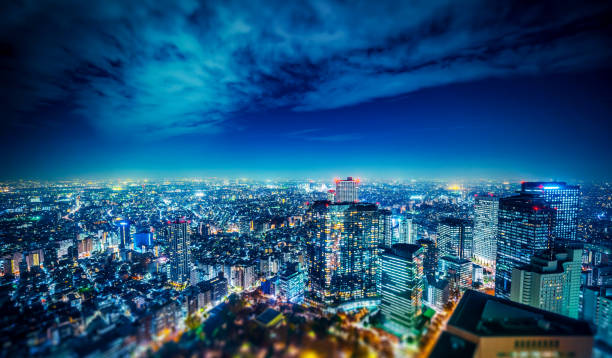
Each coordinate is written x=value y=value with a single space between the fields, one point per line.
x=441 y=90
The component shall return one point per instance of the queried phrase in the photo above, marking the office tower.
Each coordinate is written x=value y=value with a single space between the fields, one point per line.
x=406 y=234
x=291 y=284
x=178 y=254
x=437 y=293
x=125 y=239
x=346 y=190
x=457 y=271
x=386 y=227
x=485 y=229
x=455 y=238
x=430 y=257
x=565 y=200
x=550 y=282
x=343 y=254
x=485 y=326
x=524 y=230
x=402 y=284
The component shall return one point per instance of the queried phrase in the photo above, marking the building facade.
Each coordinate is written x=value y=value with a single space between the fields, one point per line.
x=524 y=230
x=455 y=238
x=347 y=190
x=565 y=200
x=179 y=256
x=402 y=284
x=485 y=229
x=550 y=282
x=343 y=253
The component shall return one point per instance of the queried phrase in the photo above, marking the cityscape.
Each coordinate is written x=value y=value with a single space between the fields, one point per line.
x=305 y=179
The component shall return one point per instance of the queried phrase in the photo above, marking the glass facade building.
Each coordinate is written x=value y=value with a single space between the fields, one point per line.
x=455 y=238
x=524 y=229
x=343 y=253
x=179 y=255
x=565 y=200
x=485 y=229
x=402 y=283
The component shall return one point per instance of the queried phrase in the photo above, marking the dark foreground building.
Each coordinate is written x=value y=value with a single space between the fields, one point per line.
x=485 y=326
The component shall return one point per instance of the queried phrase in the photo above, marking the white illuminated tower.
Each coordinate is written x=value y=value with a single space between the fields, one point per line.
x=485 y=229
x=346 y=190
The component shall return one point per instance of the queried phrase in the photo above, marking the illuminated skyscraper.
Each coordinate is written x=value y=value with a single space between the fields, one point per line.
x=402 y=284
x=550 y=283
x=179 y=255
x=485 y=229
x=343 y=254
x=346 y=190
x=565 y=200
x=524 y=230
x=125 y=239
x=455 y=238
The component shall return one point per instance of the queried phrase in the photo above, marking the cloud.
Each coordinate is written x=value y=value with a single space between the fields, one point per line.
x=316 y=135
x=166 y=68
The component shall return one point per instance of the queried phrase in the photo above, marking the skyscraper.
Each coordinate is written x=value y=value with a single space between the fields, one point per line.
x=524 y=230
x=179 y=255
x=125 y=239
x=402 y=284
x=565 y=200
x=346 y=190
x=343 y=253
x=485 y=229
x=455 y=238
x=550 y=283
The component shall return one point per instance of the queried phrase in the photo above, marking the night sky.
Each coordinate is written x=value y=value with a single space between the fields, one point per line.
x=387 y=89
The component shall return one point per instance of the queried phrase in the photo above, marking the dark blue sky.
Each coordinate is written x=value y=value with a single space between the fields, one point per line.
x=470 y=89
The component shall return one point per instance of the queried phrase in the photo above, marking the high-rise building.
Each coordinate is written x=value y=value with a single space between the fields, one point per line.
x=550 y=282
x=179 y=256
x=402 y=284
x=455 y=238
x=565 y=200
x=346 y=190
x=483 y=326
x=524 y=230
x=430 y=257
x=405 y=231
x=386 y=227
x=343 y=253
x=125 y=238
x=485 y=229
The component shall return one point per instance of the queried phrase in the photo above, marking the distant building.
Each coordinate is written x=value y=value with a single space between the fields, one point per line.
x=179 y=256
x=597 y=309
x=346 y=190
x=565 y=200
x=550 y=283
x=455 y=238
x=402 y=284
x=485 y=229
x=524 y=230
x=484 y=326
x=343 y=253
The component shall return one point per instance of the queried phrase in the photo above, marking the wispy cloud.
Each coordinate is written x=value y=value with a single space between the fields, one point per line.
x=320 y=135
x=164 y=68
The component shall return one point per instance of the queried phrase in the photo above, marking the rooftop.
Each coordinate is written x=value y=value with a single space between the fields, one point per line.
x=486 y=315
